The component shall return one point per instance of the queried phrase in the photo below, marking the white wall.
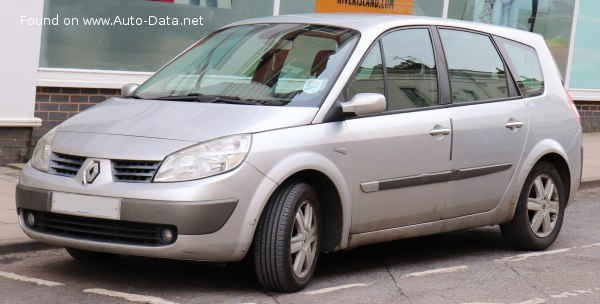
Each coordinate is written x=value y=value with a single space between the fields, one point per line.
x=19 y=59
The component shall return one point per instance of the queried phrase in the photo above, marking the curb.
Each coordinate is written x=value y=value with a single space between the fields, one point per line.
x=584 y=185
x=17 y=166
x=21 y=247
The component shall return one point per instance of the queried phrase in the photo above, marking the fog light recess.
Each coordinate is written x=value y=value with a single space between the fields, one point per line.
x=30 y=219
x=166 y=236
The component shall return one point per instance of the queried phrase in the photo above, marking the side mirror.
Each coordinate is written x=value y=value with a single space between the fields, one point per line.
x=127 y=89
x=365 y=103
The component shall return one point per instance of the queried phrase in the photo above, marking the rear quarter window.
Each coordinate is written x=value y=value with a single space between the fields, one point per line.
x=530 y=78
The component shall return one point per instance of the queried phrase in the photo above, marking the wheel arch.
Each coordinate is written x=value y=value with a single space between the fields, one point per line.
x=545 y=150
x=331 y=206
x=327 y=174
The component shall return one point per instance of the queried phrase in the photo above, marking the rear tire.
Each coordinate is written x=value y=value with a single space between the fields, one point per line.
x=540 y=210
x=90 y=256
x=287 y=239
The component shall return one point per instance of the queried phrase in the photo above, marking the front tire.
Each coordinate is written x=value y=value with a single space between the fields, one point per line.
x=287 y=240
x=540 y=210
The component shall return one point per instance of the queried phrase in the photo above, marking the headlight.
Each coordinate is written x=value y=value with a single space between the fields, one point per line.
x=41 y=155
x=205 y=159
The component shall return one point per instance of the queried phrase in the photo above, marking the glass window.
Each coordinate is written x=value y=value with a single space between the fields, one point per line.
x=369 y=77
x=476 y=70
x=525 y=60
x=296 y=7
x=431 y=8
x=550 y=18
x=586 y=53
x=411 y=70
x=125 y=45
x=267 y=64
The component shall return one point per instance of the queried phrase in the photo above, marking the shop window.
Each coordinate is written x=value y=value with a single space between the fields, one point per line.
x=127 y=46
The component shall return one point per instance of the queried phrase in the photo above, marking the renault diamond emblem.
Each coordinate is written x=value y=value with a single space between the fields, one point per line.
x=92 y=169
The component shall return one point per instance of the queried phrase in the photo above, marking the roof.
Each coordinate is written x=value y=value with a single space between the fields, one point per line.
x=382 y=22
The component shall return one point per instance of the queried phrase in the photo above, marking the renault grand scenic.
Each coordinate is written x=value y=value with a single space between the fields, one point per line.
x=283 y=137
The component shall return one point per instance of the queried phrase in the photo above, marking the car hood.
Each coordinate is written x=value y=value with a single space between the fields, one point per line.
x=184 y=121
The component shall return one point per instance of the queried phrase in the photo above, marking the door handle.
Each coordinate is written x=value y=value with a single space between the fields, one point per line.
x=441 y=131
x=514 y=124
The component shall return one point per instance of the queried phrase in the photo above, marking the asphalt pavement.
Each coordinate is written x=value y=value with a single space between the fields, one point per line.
x=472 y=266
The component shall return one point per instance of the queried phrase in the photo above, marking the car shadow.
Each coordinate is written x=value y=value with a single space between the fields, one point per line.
x=445 y=248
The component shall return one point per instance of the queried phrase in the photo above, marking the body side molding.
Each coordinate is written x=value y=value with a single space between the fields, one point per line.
x=432 y=178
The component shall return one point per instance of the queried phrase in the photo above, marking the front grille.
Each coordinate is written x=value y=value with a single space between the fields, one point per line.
x=133 y=171
x=65 y=165
x=129 y=171
x=100 y=230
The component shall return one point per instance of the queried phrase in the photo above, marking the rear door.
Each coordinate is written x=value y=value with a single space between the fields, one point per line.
x=490 y=123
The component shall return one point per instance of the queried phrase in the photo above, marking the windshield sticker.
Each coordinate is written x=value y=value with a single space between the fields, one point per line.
x=313 y=86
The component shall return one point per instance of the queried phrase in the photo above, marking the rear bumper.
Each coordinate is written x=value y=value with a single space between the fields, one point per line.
x=575 y=159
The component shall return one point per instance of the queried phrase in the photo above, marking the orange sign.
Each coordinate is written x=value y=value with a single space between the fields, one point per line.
x=403 y=7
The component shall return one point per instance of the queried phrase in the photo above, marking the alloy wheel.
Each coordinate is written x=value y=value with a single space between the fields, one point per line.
x=543 y=205
x=303 y=244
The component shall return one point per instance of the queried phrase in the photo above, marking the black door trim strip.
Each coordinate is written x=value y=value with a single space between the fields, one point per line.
x=432 y=178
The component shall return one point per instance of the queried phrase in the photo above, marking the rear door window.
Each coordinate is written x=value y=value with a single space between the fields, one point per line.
x=525 y=60
x=476 y=69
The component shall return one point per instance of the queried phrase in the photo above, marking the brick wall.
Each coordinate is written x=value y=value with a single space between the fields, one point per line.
x=54 y=105
x=15 y=143
x=590 y=115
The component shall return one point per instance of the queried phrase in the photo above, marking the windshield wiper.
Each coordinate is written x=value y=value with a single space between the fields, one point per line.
x=195 y=97
x=189 y=97
x=234 y=100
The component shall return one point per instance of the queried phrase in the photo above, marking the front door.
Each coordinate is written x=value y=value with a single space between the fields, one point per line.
x=401 y=158
x=400 y=171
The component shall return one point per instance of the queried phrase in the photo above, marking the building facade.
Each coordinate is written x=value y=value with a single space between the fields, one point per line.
x=71 y=54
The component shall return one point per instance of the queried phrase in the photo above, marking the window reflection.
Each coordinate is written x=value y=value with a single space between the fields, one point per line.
x=411 y=71
x=530 y=78
x=369 y=77
x=476 y=70
x=134 y=48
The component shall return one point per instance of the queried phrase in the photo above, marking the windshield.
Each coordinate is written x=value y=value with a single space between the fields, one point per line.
x=262 y=64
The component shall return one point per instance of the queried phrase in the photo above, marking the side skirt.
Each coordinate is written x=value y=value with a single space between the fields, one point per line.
x=458 y=223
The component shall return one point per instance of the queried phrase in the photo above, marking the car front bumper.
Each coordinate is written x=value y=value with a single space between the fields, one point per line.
x=214 y=217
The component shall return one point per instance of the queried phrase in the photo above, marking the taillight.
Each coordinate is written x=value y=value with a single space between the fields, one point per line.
x=572 y=104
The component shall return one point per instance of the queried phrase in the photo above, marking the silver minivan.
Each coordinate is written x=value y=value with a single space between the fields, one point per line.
x=282 y=137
